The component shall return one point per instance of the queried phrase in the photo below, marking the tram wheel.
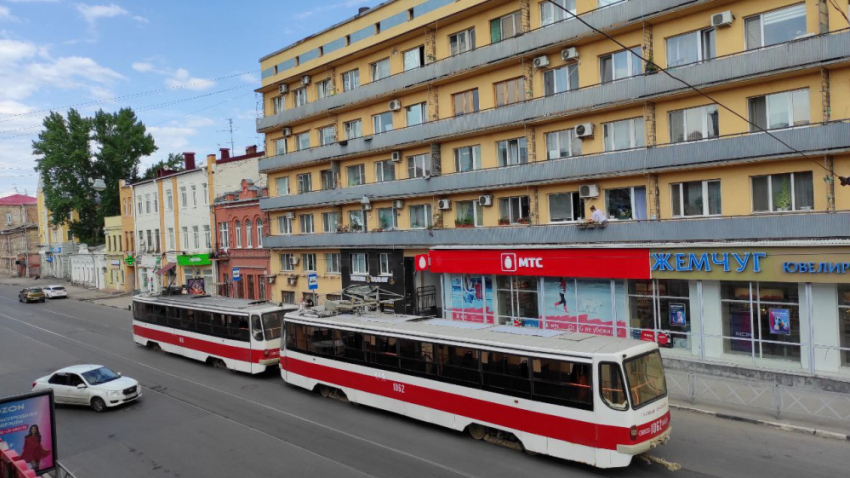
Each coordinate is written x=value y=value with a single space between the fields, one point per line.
x=154 y=346
x=476 y=431
x=219 y=363
x=324 y=391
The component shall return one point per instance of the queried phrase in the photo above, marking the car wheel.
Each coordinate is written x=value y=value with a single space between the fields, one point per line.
x=98 y=405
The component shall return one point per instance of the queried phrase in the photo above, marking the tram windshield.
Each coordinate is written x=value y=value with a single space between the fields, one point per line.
x=645 y=376
x=271 y=324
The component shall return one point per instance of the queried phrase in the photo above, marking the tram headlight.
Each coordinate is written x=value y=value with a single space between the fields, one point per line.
x=633 y=432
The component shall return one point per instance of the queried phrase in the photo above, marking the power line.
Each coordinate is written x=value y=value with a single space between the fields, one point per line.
x=844 y=181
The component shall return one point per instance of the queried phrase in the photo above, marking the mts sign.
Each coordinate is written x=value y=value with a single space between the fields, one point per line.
x=510 y=262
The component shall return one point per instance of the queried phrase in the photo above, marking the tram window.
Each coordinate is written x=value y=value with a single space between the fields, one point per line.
x=218 y=326
x=506 y=373
x=238 y=327
x=172 y=312
x=417 y=357
x=256 y=328
x=562 y=383
x=611 y=386
x=191 y=319
x=204 y=323
x=352 y=346
x=321 y=342
x=140 y=312
x=290 y=336
x=458 y=364
x=381 y=351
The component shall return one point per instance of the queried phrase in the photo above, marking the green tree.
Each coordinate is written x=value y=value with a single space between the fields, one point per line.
x=174 y=162
x=68 y=168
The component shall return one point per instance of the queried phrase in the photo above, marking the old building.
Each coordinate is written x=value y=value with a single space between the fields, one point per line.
x=128 y=236
x=19 y=236
x=55 y=241
x=114 y=278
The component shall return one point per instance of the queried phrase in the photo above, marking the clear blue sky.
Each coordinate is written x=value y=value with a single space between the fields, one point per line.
x=58 y=53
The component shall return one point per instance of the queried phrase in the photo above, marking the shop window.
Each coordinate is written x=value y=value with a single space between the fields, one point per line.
x=517 y=299
x=469 y=214
x=844 y=323
x=622 y=64
x=691 y=47
x=695 y=198
x=780 y=110
x=353 y=129
x=465 y=102
x=505 y=27
x=512 y=151
x=774 y=27
x=510 y=91
x=469 y=298
x=552 y=11
x=467 y=158
x=565 y=207
x=562 y=144
x=625 y=134
x=761 y=319
x=783 y=192
x=626 y=203
x=694 y=124
x=661 y=306
x=559 y=80
x=584 y=305
x=514 y=210
x=462 y=42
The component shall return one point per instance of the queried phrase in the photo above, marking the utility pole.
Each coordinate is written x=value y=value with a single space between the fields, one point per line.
x=230 y=130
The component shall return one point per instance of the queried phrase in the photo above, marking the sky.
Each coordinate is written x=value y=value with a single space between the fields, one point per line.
x=186 y=67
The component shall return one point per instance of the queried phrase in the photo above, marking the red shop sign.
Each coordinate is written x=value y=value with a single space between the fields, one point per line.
x=580 y=263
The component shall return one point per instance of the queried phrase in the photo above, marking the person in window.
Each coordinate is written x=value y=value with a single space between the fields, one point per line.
x=33 y=451
x=597 y=216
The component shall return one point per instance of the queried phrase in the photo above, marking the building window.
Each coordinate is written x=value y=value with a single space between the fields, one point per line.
x=462 y=42
x=779 y=110
x=565 y=207
x=302 y=141
x=184 y=231
x=465 y=102
x=287 y=297
x=359 y=264
x=184 y=198
x=225 y=235
x=278 y=104
x=387 y=219
x=169 y=200
x=512 y=151
x=155 y=203
x=300 y=95
x=657 y=305
x=562 y=144
x=384 y=171
x=139 y=204
x=510 y=91
x=777 y=26
x=625 y=134
x=196 y=235
x=468 y=158
x=505 y=27
x=207 y=237
x=194 y=196
x=353 y=129
x=694 y=124
x=550 y=13
x=783 y=192
x=350 y=80
x=761 y=319
x=384 y=260
x=286 y=262
x=420 y=216
x=383 y=122
x=559 y=80
x=332 y=263
x=419 y=166
x=356 y=175
x=328 y=179
x=327 y=135
x=622 y=64
x=249 y=234
x=305 y=183
x=517 y=297
x=696 y=198
x=380 y=69
x=514 y=210
x=356 y=221
x=279 y=146
x=324 y=88
x=259 y=233
x=625 y=204
x=416 y=114
x=237 y=229
x=469 y=213
x=691 y=47
x=330 y=221
x=414 y=58
x=147 y=203
x=306 y=223
x=282 y=186
x=284 y=225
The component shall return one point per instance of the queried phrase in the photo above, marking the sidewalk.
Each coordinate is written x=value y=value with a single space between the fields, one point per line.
x=119 y=300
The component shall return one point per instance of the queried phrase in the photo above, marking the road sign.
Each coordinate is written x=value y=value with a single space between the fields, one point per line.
x=313 y=281
x=237 y=274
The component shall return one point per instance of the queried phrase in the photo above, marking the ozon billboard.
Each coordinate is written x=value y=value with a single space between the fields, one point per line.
x=580 y=263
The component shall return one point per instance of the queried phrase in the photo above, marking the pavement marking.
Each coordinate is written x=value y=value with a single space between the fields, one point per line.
x=258 y=404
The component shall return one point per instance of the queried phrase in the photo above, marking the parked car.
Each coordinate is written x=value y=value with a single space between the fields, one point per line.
x=91 y=385
x=55 y=292
x=31 y=294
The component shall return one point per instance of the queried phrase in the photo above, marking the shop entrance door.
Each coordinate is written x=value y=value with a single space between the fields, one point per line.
x=517 y=300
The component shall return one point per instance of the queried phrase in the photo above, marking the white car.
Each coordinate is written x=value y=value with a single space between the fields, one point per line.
x=91 y=385
x=55 y=292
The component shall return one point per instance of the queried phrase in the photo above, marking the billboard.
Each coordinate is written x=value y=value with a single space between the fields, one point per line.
x=195 y=286
x=27 y=426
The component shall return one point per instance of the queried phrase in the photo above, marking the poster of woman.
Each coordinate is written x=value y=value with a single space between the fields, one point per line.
x=780 y=321
x=26 y=427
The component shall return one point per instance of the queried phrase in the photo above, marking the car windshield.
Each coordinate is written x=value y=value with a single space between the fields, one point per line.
x=645 y=376
x=34 y=289
x=271 y=324
x=100 y=375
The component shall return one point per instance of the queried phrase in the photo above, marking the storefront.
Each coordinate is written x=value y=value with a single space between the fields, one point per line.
x=199 y=269
x=778 y=308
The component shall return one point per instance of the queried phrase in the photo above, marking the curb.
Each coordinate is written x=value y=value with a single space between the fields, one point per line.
x=754 y=421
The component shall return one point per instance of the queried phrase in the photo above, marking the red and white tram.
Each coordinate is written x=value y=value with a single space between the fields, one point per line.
x=586 y=398
x=238 y=334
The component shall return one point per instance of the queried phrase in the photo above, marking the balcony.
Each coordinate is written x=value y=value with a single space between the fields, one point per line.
x=806 y=227
x=816 y=139
x=815 y=51
x=624 y=14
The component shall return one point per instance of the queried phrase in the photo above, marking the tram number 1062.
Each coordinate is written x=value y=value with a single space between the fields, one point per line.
x=398 y=387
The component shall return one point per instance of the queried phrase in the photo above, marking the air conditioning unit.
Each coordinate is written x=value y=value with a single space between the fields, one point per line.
x=287 y=131
x=570 y=53
x=283 y=89
x=395 y=105
x=486 y=200
x=541 y=61
x=367 y=207
x=292 y=280
x=588 y=191
x=398 y=204
x=289 y=215
x=395 y=156
x=270 y=279
x=305 y=80
x=294 y=260
x=722 y=19
x=584 y=130
x=444 y=204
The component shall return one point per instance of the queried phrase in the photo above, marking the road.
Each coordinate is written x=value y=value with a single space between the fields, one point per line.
x=197 y=421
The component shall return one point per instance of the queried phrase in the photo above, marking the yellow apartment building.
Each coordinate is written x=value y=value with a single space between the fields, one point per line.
x=55 y=241
x=451 y=152
x=128 y=237
x=114 y=277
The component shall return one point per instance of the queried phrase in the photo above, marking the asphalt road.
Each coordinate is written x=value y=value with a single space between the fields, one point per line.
x=197 y=421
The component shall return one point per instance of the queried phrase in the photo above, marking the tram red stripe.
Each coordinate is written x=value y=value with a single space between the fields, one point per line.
x=219 y=350
x=551 y=426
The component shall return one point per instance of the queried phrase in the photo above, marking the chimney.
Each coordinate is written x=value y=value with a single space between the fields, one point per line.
x=210 y=159
x=189 y=159
x=225 y=153
x=362 y=10
x=251 y=149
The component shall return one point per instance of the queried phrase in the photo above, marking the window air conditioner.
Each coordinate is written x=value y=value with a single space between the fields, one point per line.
x=292 y=280
x=722 y=19
x=287 y=131
x=289 y=215
x=588 y=191
x=444 y=204
x=398 y=204
x=395 y=105
x=395 y=156
x=486 y=200
x=541 y=61
x=294 y=260
x=584 y=130
x=570 y=53
x=283 y=89
x=270 y=279
x=305 y=80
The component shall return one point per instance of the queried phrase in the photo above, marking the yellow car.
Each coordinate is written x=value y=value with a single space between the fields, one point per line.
x=31 y=294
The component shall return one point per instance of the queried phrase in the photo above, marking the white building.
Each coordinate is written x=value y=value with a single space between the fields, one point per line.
x=147 y=232
x=88 y=266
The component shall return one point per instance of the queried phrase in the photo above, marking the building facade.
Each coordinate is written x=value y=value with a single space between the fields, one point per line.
x=114 y=279
x=55 y=241
x=128 y=236
x=89 y=266
x=470 y=141
x=19 y=236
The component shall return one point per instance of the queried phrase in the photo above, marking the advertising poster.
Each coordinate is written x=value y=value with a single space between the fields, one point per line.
x=27 y=428
x=678 y=315
x=739 y=321
x=582 y=306
x=780 y=321
x=472 y=299
x=195 y=286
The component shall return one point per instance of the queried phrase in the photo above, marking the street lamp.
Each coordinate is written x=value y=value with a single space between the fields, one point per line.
x=99 y=185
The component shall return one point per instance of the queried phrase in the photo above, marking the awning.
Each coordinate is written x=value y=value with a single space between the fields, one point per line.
x=165 y=268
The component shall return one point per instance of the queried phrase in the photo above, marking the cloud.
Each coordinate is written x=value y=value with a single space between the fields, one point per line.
x=6 y=14
x=143 y=66
x=140 y=19
x=93 y=13
x=171 y=137
x=182 y=79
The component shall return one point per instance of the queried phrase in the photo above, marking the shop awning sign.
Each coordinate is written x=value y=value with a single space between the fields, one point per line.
x=423 y=262
x=194 y=260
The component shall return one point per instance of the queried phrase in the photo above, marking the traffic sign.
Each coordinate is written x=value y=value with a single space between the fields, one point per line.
x=237 y=274
x=313 y=281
